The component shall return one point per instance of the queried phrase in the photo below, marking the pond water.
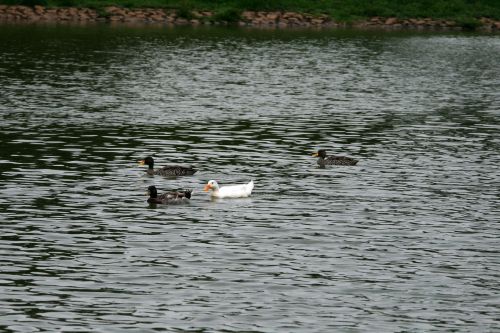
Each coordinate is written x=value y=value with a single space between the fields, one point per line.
x=405 y=241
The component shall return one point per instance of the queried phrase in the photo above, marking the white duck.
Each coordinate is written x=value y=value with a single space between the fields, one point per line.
x=233 y=191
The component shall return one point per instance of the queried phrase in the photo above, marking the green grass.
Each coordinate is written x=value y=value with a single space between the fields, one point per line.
x=230 y=15
x=466 y=11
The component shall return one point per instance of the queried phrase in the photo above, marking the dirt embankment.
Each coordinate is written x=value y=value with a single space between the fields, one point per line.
x=248 y=18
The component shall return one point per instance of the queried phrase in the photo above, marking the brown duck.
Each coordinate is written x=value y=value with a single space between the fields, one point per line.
x=168 y=198
x=333 y=160
x=168 y=170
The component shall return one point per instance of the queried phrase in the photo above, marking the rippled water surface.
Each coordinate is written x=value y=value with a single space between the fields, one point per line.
x=406 y=241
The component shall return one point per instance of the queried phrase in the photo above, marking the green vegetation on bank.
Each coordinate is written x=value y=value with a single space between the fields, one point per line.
x=341 y=10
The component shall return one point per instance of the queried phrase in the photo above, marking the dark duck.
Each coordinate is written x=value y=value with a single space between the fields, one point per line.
x=168 y=198
x=333 y=160
x=168 y=170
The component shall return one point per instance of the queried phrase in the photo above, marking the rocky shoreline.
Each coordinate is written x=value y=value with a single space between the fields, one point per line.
x=247 y=18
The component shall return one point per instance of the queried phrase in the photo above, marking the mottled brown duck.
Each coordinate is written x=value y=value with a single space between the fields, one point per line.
x=168 y=198
x=168 y=170
x=323 y=159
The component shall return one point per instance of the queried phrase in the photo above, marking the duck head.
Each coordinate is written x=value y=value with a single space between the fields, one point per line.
x=211 y=185
x=152 y=192
x=149 y=161
x=320 y=153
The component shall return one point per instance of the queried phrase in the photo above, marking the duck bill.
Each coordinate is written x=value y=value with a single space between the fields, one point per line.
x=315 y=154
x=207 y=188
x=141 y=162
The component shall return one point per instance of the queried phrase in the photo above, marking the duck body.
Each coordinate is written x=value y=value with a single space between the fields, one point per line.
x=172 y=171
x=168 y=198
x=169 y=170
x=231 y=191
x=323 y=159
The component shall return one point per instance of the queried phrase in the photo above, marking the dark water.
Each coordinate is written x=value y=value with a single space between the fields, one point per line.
x=407 y=241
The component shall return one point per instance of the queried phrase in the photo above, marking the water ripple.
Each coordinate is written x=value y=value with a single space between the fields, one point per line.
x=407 y=240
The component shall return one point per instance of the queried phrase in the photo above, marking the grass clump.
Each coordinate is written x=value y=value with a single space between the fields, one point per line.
x=184 y=9
x=468 y=23
x=230 y=15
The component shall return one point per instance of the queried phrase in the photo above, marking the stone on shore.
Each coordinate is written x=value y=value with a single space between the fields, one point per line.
x=276 y=19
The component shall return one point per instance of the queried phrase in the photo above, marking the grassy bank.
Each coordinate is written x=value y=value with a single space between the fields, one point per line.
x=340 y=10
